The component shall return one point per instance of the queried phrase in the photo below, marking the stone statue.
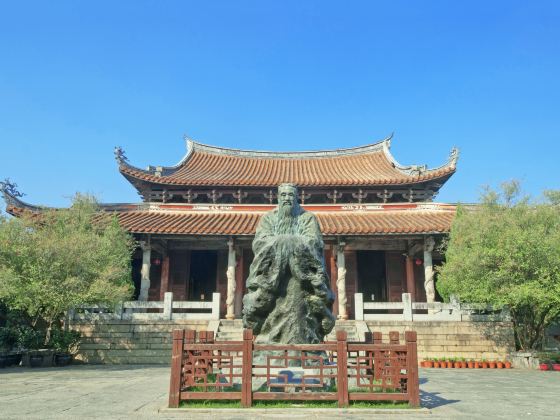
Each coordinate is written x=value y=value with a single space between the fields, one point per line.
x=288 y=297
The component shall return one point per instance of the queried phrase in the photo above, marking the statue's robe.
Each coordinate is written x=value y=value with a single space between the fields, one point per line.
x=288 y=297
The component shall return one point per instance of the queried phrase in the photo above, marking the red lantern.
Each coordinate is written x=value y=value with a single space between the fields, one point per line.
x=418 y=261
x=157 y=261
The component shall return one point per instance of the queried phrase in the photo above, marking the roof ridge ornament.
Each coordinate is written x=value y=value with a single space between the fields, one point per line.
x=120 y=156
x=453 y=156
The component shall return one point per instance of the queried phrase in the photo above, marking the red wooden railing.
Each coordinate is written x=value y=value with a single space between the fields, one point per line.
x=202 y=369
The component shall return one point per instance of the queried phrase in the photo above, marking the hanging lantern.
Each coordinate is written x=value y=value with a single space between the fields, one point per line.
x=418 y=261
x=156 y=261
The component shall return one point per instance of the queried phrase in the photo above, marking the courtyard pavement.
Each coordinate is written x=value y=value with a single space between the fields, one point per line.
x=126 y=392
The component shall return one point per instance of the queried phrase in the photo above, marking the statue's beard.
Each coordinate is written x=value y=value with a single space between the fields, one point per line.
x=286 y=219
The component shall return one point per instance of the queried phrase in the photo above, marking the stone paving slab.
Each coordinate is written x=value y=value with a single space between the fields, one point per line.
x=126 y=392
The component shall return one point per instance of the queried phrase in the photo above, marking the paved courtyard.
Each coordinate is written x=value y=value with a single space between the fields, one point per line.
x=141 y=392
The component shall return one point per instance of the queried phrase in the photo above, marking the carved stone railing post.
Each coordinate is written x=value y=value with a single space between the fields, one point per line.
x=341 y=281
x=168 y=305
x=230 y=298
x=429 y=270
x=145 y=272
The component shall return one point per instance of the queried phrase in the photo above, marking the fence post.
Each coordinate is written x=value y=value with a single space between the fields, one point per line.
x=407 y=306
x=358 y=306
x=176 y=368
x=456 y=305
x=215 y=306
x=247 y=369
x=505 y=315
x=413 y=388
x=119 y=310
x=168 y=305
x=377 y=363
x=342 y=368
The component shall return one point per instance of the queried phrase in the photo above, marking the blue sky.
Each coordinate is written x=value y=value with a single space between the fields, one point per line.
x=78 y=78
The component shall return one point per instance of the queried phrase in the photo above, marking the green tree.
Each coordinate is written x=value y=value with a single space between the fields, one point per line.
x=59 y=259
x=506 y=251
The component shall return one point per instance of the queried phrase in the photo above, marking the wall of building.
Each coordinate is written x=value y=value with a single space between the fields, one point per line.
x=149 y=342
x=470 y=340
x=130 y=342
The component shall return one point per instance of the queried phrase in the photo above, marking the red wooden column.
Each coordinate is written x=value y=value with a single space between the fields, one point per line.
x=164 y=284
x=247 y=370
x=176 y=368
x=413 y=388
x=342 y=368
x=240 y=284
x=331 y=261
x=410 y=282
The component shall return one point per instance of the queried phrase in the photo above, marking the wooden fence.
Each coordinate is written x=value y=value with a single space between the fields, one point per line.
x=407 y=310
x=202 y=369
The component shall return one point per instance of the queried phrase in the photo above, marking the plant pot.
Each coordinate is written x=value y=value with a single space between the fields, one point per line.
x=500 y=365
x=470 y=365
x=458 y=365
x=436 y=364
x=4 y=359
x=36 y=360
x=556 y=367
x=449 y=364
x=62 y=359
x=507 y=365
x=14 y=359
x=428 y=364
x=492 y=365
x=484 y=365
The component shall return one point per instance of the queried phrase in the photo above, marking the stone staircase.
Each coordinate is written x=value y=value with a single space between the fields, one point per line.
x=129 y=342
x=354 y=330
x=230 y=330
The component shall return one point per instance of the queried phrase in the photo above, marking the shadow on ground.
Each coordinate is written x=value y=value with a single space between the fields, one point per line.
x=432 y=399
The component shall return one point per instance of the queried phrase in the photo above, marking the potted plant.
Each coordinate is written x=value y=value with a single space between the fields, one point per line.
x=484 y=364
x=492 y=364
x=32 y=340
x=449 y=363
x=470 y=364
x=8 y=340
x=436 y=362
x=64 y=342
x=507 y=364
x=544 y=365
x=500 y=364
x=428 y=363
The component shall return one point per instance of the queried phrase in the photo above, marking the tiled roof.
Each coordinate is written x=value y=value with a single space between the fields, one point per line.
x=369 y=165
x=181 y=219
x=245 y=223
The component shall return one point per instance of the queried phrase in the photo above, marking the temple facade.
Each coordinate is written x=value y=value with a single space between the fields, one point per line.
x=197 y=219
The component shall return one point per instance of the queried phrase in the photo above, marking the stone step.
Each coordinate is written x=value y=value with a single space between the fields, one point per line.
x=231 y=329
x=230 y=337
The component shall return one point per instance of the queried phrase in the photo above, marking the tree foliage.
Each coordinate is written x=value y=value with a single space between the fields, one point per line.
x=507 y=252
x=59 y=259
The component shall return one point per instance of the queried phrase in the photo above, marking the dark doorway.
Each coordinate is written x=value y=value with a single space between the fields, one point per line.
x=372 y=281
x=202 y=279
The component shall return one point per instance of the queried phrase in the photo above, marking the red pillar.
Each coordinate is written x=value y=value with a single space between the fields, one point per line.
x=410 y=282
x=164 y=284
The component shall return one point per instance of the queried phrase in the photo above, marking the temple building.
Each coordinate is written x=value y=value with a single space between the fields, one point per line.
x=197 y=219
